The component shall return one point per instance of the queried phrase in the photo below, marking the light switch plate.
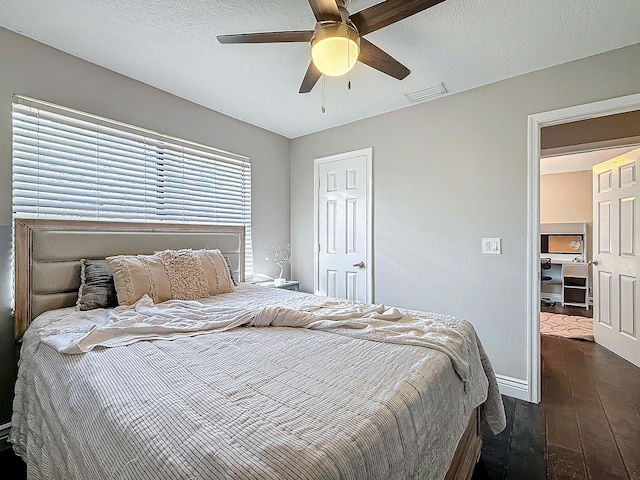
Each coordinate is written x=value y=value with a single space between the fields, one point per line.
x=492 y=246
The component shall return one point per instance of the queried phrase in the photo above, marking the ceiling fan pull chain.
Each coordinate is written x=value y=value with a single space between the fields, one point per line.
x=348 y=60
x=324 y=80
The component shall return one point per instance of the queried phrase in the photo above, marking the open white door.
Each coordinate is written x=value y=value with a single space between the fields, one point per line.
x=616 y=257
x=343 y=226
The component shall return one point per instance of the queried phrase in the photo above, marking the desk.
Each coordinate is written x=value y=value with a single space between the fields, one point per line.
x=569 y=283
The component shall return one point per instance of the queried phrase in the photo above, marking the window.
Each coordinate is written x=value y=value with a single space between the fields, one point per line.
x=67 y=164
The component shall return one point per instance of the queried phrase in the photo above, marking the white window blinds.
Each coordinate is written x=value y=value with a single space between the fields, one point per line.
x=67 y=164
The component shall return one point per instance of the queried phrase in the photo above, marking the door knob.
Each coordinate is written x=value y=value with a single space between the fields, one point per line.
x=593 y=262
x=359 y=264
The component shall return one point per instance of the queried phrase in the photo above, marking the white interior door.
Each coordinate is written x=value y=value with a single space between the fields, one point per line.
x=616 y=263
x=343 y=226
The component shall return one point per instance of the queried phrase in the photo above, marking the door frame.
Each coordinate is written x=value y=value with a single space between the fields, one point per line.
x=535 y=123
x=368 y=153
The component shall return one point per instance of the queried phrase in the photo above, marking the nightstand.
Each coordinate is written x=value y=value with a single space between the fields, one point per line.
x=292 y=285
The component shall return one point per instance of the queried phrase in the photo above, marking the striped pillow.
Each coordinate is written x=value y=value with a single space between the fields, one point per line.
x=96 y=286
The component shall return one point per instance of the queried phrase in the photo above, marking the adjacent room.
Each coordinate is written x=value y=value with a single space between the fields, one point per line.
x=574 y=156
x=571 y=156
x=320 y=239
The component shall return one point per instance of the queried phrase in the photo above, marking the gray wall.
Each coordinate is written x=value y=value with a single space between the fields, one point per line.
x=447 y=173
x=33 y=69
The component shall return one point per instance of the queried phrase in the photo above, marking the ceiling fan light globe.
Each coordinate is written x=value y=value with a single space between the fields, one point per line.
x=335 y=48
x=335 y=56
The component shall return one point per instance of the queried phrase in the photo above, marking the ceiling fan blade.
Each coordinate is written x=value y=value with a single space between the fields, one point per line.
x=268 y=37
x=310 y=79
x=381 y=60
x=325 y=10
x=385 y=13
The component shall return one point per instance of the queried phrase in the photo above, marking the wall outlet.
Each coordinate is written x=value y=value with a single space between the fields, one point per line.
x=492 y=246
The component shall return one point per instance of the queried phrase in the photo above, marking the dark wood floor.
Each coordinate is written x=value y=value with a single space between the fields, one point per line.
x=11 y=466
x=587 y=426
x=558 y=308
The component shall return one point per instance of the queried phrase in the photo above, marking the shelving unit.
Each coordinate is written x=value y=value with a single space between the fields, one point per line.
x=575 y=280
x=569 y=271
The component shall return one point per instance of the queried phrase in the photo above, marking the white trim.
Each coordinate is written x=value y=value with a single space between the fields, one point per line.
x=591 y=147
x=4 y=430
x=535 y=123
x=533 y=270
x=513 y=387
x=368 y=153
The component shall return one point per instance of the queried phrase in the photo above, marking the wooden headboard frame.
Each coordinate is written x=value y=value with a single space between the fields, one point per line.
x=51 y=251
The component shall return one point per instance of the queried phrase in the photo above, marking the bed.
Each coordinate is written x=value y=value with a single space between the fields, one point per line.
x=272 y=383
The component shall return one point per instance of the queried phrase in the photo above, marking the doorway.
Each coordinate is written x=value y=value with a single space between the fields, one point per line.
x=343 y=259
x=536 y=123
x=567 y=240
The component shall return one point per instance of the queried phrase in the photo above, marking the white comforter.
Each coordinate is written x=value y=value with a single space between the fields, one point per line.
x=253 y=402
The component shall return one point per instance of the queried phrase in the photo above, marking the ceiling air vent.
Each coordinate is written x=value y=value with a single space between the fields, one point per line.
x=427 y=93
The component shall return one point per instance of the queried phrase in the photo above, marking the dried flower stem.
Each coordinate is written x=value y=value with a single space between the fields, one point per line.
x=279 y=256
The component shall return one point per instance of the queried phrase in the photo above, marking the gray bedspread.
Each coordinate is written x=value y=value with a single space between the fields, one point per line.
x=264 y=403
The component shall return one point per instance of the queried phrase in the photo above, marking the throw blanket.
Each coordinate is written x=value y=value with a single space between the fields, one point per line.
x=177 y=318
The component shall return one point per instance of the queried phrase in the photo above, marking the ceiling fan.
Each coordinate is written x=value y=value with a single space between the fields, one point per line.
x=337 y=41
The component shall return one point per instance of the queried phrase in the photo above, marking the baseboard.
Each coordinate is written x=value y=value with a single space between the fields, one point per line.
x=513 y=387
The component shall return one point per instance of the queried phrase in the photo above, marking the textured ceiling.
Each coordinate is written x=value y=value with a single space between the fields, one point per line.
x=172 y=45
x=576 y=162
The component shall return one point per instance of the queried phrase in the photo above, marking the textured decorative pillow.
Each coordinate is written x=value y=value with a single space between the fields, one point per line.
x=97 y=289
x=170 y=274
x=137 y=275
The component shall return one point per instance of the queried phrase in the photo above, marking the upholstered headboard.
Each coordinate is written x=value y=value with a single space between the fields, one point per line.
x=48 y=254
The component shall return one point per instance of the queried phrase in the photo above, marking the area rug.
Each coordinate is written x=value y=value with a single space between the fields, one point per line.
x=568 y=326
